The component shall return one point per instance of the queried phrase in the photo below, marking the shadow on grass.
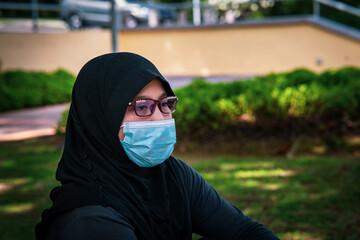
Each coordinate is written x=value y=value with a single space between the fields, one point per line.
x=303 y=198
x=27 y=170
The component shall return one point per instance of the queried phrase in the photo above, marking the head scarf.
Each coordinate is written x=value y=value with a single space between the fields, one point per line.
x=94 y=169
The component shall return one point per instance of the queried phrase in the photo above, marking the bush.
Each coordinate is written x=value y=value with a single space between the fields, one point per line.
x=61 y=126
x=300 y=99
x=23 y=89
x=284 y=103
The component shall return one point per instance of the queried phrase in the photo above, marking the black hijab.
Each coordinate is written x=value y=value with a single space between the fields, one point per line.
x=94 y=169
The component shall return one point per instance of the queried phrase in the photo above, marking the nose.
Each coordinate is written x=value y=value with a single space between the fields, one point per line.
x=157 y=115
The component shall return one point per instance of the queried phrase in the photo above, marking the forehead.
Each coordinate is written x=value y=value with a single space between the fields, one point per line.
x=153 y=90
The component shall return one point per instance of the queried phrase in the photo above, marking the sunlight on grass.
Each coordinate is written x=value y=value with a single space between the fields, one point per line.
x=16 y=208
x=298 y=199
x=227 y=167
x=302 y=198
x=296 y=235
x=319 y=149
x=354 y=140
x=250 y=183
x=263 y=173
x=8 y=184
x=250 y=164
x=209 y=175
x=272 y=186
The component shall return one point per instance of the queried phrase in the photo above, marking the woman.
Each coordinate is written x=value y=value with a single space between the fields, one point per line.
x=118 y=178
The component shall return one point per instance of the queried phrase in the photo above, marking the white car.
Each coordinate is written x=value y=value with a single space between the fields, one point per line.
x=83 y=13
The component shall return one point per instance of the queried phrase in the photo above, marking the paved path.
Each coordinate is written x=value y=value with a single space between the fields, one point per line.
x=36 y=122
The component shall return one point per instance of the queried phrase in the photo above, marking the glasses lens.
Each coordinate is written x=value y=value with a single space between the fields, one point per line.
x=144 y=107
x=168 y=104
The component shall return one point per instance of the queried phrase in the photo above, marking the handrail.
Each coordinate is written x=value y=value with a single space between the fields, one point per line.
x=341 y=6
x=29 y=6
x=34 y=6
x=56 y=7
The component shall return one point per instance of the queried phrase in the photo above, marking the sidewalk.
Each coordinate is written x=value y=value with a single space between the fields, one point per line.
x=29 y=123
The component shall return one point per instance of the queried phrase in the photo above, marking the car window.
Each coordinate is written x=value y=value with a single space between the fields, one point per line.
x=136 y=1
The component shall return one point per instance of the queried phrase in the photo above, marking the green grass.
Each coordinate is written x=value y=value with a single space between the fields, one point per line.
x=27 y=171
x=301 y=198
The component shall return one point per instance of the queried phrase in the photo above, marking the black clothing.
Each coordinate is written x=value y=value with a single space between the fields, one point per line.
x=168 y=201
x=209 y=214
x=91 y=222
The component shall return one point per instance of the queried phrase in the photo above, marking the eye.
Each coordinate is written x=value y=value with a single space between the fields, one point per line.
x=164 y=104
x=171 y=102
x=141 y=107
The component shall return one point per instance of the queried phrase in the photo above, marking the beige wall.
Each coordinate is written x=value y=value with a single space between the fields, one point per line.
x=50 y=51
x=240 y=50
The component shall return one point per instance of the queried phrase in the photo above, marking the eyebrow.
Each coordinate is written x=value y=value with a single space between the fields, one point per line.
x=146 y=97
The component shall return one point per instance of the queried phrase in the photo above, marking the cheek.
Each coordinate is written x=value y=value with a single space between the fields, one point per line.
x=129 y=116
x=167 y=116
x=121 y=134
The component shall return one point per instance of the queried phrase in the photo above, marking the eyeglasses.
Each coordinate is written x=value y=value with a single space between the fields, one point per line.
x=146 y=107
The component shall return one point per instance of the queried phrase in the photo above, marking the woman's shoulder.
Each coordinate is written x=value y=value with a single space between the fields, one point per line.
x=180 y=168
x=177 y=163
x=91 y=221
x=97 y=210
x=84 y=213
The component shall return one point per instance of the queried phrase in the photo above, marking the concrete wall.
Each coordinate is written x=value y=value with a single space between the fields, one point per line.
x=233 y=50
x=50 y=51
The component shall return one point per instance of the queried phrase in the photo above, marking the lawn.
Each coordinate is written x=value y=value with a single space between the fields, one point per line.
x=299 y=198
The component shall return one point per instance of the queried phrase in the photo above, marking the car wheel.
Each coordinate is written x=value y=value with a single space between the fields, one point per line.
x=75 y=22
x=130 y=22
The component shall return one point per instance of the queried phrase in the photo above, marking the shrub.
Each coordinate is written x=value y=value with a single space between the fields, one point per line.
x=61 y=127
x=299 y=98
x=297 y=101
x=23 y=89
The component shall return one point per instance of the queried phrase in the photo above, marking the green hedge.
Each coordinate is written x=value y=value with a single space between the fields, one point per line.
x=296 y=101
x=24 y=89
x=300 y=99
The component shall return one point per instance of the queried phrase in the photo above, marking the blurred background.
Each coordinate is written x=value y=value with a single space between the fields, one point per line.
x=241 y=38
x=268 y=112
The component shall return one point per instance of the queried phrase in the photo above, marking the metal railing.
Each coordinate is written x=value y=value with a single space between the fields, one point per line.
x=193 y=13
x=34 y=7
x=200 y=10
x=337 y=5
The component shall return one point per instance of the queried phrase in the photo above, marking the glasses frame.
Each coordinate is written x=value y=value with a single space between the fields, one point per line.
x=157 y=102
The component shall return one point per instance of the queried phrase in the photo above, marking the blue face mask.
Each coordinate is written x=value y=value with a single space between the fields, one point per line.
x=149 y=143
